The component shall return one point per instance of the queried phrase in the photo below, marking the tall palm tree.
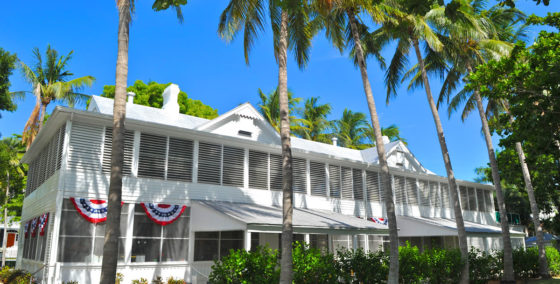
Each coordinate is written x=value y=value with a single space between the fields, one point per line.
x=409 y=29
x=292 y=29
x=392 y=132
x=112 y=230
x=351 y=129
x=49 y=83
x=345 y=29
x=314 y=124
x=269 y=107
x=14 y=150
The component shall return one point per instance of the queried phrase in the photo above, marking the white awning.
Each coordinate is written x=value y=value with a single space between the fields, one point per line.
x=269 y=218
x=422 y=227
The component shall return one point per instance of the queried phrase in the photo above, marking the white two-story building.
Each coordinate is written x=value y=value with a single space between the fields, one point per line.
x=195 y=188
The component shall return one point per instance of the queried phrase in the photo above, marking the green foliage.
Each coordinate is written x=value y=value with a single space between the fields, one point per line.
x=484 y=266
x=442 y=266
x=240 y=266
x=172 y=280
x=119 y=278
x=312 y=266
x=412 y=264
x=11 y=151
x=526 y=263
x=15 y=276
x=151 y=95
x=7 y=65
x=140 y=281
x=357 y=266
x=553 y=257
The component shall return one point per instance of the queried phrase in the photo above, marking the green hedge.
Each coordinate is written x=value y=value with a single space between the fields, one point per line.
x=356 y=266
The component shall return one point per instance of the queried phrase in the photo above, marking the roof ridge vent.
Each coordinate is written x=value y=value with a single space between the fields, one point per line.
x=170 y=99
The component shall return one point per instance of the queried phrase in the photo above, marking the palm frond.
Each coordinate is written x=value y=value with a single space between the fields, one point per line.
x=396 y=68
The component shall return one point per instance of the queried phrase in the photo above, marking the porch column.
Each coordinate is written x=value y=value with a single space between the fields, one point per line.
x=247 y=240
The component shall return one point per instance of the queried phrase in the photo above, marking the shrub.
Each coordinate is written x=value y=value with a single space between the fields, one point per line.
x=484 y=266
x=553 y=257
x=15 y=276
x=357 y=266
x=310 y=266
x=412 y=264
x=240 y=266
x=526 y=263
x=140 y=281
x=443 y=266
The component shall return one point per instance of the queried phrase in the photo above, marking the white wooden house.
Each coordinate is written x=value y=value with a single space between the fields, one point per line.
x=224 y=175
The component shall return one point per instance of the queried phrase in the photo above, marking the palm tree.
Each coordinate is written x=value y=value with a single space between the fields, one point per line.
x=269 y=107
x=351 y=129
x=346 y=30
x=409 y=28
x=392 y=132
x=12 y=147
x=112 y=230
x=49 y=83
x=292 y=29
x=314 y=124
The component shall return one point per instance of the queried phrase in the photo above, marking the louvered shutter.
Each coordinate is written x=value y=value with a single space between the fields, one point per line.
x=334 y=181
x=400 y=194
x=233 y=166
x=424 y=193
x=446 y=202
x=180 y=160
x=128 y=151
x=411 y=191
x=300 y=175
x=258 y=167
x=488 y=201
x=318 y=179
x=275 y=172
x=152 y=155
x=472 y=199
x=357 y=184
x=51 y=161
x=434 y=194
x=60 y=145
x=480 y=197
x=464 y=198
x=372 y=186
x=42 y=168
x=346 y=183
x=209 y=163
x=85 y=147
x=30 y=178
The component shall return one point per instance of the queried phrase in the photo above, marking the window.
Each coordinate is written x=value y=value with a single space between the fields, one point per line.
x=424 y=193
x=209 y=163
x=372 y=186
x=84 y=151
x=44 y=165
x=464 y=198
x=210 y=246
x=82 y=241
x=411 y=191
x=375 y=243
x=334 y=181
x=472 y=199
x=400 y=194
x=480 y=197
x=318 y=179
x=34 y=247
x=179 y=160
x=434 y=194
x=258 y=168
x=128 y=151
x=275 y=172
x=152 y=156
x=358 y=184
x=346 y=188
x=445 y=195
x=342 y=242
x=233 y=166
x=152 y=242
x=300 y=175
x=488 y=201
x=319 y=241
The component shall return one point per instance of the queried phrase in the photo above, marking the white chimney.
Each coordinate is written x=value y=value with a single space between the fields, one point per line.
x=170 y=96
x=130 y=97
x=386 y=140
x=335 y=141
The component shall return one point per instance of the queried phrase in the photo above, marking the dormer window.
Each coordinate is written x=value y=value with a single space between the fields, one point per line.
x=244 y=133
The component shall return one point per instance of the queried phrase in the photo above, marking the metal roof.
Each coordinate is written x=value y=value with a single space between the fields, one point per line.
x=441 y=227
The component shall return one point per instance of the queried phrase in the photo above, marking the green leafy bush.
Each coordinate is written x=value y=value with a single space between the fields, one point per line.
x=311 y=266
x=412 y=264
x=553 y=257
x=442 y=266
x=15 y=276
x=240 y=266
x=484 y=266
x=526 y=263
x=357 y=266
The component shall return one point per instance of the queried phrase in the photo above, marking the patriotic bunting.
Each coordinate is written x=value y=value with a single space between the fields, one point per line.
x=163 y=214
x=33 y=228
x=93 y=210
x=43 y=219
x=26 y=229
x=381 y=221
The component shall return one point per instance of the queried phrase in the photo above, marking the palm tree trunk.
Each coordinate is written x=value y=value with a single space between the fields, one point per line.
x=287 y=194
x=385 y=175
x=543 y=262
x=508 y=254
x=462 y=234
x=5 y=238
x=41 y=117
x=112 y=230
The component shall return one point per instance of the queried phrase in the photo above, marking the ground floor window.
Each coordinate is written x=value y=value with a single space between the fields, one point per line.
x=342 y=242
x=215 y=245
x=319 y=241
x=35 y=238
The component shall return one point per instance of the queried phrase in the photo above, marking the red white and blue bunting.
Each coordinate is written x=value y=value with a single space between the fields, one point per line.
x=34 y=226
x=93 y=210
x=43 y=219
x=163 y=214
x=26 y=229
x=381 y=221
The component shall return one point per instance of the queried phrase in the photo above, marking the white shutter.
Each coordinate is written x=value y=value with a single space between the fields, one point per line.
x=472 y=198
x=411 y=191
x=60 y=144
x=357 y=184
x=372 y=186
x=445 y=195
x=424 y=193
x=334 y=181
x=152 y=155
x=258 y=170
x=128 y=148
x=346 y=183
x=180 y=160
x=209 y=163
x=84 y=152
x=299 y=175
x=233 y=166
x=434 y=194
x=400 y=195
x=318 y=178
x=480 y=197
x=488 y=201
x=464 y=198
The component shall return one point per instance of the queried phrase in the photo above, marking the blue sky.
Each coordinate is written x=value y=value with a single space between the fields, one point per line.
x=193 y=56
